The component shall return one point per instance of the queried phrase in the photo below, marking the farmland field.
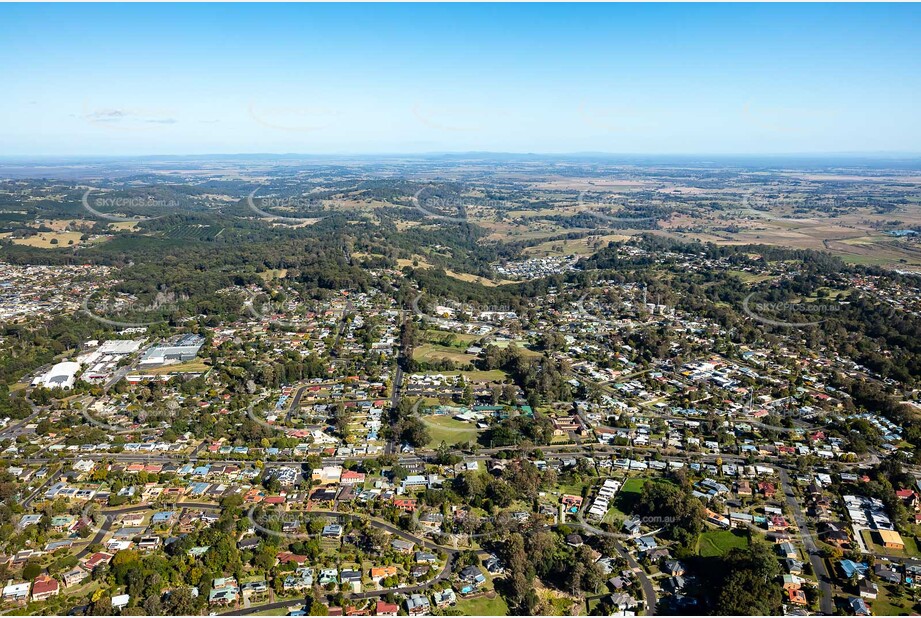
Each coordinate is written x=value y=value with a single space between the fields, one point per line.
x=192 y=232
x=629 y=495
x=461 y=340
x=49 y=240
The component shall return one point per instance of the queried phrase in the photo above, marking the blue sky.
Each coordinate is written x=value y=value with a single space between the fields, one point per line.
x=650 y=78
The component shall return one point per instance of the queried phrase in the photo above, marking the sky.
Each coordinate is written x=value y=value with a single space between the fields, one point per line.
x=140 y=79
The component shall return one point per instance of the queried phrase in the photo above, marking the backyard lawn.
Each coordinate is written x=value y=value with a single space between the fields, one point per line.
x=911 y=548
x=888 y=604
x=483 y=606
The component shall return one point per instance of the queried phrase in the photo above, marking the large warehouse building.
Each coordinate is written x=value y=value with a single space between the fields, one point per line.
x=63 y=375
x=183 y=350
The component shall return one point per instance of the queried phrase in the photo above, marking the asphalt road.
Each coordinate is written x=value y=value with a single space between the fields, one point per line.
x=295 y=403
x=107 y=526
x=826 y=605
x=649 y=591
x=16 y=428
x=51 y=480
x=396 y=389
x=111 y=515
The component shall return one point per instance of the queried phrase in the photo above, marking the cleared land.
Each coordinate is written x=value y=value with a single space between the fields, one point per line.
x=493 y=375
x=719 y=542
x=482 y=606
x=460 y=340
x=577 y=246
x=420 y=262
x=50 y=240
x=446 y=429
x=194 y=366
x=276 y=273
x=123 y=225
x=428 y=352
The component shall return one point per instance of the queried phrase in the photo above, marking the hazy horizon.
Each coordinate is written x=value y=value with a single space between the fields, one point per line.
x=652 y=79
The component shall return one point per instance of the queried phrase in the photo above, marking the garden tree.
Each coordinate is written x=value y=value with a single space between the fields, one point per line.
x=471 y=485
x=152 y=605
x=342 y=416
x=467 y=396
x=747 y=586
x=313 y=607
x=412 y=430
x=446 y=456
x=265 y=558
x=500 y=492
x=673 y=506
x=593 y=576
x=519 y=569
x=540 y=552
x=101 y=605
x=179 y=602
x=513 y=430
x=524 y=477
x=465 y=559
x=543 y=378
x=31 y=570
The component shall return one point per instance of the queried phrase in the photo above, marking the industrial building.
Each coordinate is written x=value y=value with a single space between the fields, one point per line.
x=184 y=349
x=63 y=375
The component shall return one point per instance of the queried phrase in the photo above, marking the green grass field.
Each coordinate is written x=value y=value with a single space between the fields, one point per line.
x=633 y=485
x=429 y=352
x=889 y=604
x=281 y=611
x=747 y=277
x=629 y=495
x=441 y=337
x=872 y=541
x=494 y=375
x=446 y=429
x=483 y=606
x=719 y=542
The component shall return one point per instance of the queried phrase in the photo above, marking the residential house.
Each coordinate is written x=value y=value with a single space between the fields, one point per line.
x=868 y=589
x=16 y=593
x=417 y=605
x=43 y=587
x=386 y=609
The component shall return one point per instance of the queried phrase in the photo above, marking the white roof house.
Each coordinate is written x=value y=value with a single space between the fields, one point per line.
x=121 y=600
x=16 y=591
